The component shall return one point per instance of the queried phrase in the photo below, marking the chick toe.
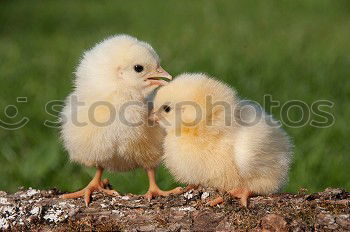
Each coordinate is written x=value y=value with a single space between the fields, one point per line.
x=156 y=191
x=216 y=201
x=191 y=187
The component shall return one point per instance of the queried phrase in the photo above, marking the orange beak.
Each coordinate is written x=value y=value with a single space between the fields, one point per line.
x=154 y=117
x=158 y=77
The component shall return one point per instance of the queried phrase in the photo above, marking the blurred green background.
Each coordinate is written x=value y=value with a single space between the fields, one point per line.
x=297 y=49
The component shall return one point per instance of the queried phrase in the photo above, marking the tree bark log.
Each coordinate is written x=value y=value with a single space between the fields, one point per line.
x=43 y=210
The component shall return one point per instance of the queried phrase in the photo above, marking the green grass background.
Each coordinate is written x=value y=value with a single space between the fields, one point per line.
x=297 y=49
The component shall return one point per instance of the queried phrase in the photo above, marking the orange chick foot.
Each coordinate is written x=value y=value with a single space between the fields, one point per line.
x=242 y=195
x=95 y=185
x=154 y=190
x=88 y=190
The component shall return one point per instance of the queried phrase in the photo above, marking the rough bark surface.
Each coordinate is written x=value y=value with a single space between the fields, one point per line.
x=44 y=211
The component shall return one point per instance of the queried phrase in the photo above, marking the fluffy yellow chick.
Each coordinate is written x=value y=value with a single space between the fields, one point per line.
x=105 y=117
x=216 y=141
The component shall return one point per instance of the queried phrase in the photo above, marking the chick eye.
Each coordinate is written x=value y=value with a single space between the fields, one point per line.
x=138 y=68
x=166 y=108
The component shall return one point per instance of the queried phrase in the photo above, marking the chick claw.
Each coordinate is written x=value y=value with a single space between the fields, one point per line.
x=153 y=192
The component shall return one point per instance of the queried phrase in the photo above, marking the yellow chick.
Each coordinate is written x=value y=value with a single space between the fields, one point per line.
x=216 y=140
x=105 y=117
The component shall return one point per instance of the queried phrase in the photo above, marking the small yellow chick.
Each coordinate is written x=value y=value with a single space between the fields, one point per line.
x=216 y=140
x=105 y=117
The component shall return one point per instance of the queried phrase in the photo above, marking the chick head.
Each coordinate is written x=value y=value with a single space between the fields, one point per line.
x=121 y=62
x=191 y=102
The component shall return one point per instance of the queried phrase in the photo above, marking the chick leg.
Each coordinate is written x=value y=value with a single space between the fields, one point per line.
x=95 y=185
x=242 y=194
x=154 y=190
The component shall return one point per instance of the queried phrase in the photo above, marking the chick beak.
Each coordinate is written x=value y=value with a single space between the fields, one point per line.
x=154 y=117
x=158 y=77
